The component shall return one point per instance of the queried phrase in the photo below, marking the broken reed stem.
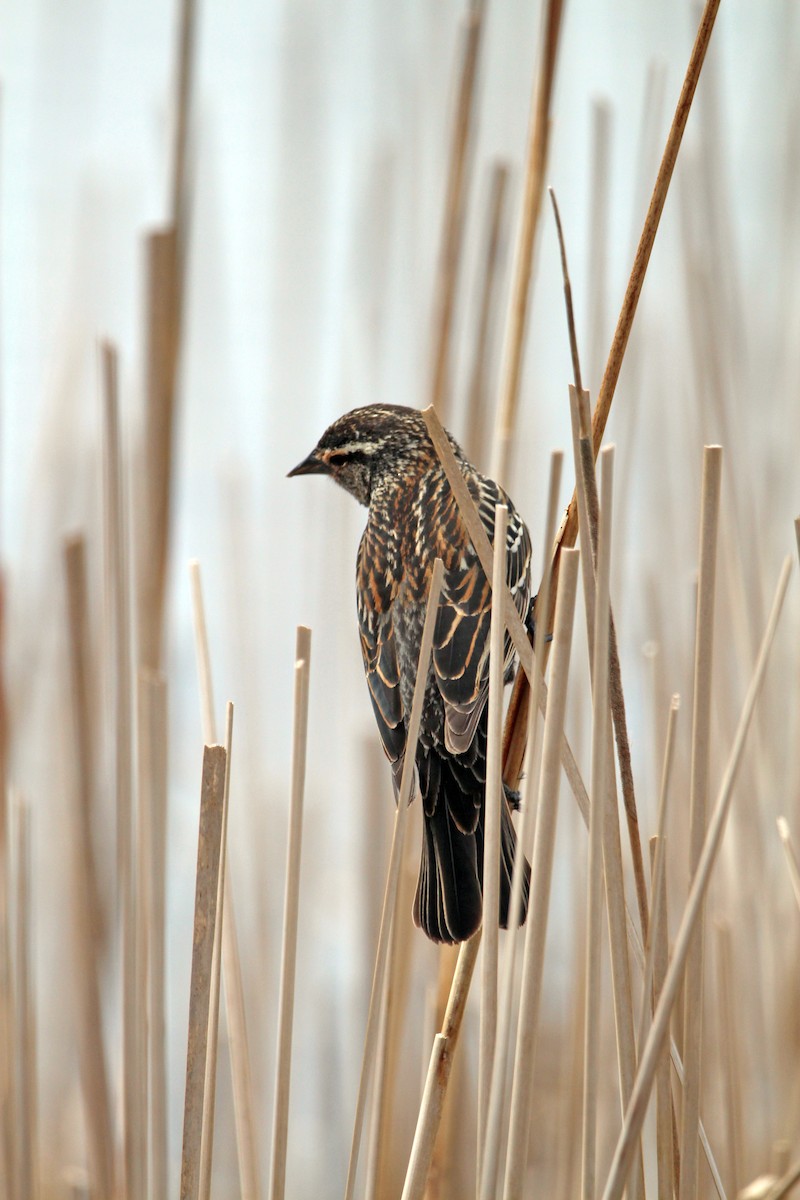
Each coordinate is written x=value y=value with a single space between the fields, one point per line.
x=491 y=268
x=498 y=1098
x=117 y=584
x=514 y=742
x=183 y=96
x=536 y=161
x=541 y=874
x=231 y=962
x=492 y=819
x=659 y=932
x=25 y=1047
x=87 y=910
x=659 y=1031
x=291 y=911
x=594 y=898
x=392 y=879
x=791 y=857
x=153 y=750
x=701 y=748
x=597 y=291
x=455 y=205
x=209 y=846
x=422 y=1148
x=210 y=1093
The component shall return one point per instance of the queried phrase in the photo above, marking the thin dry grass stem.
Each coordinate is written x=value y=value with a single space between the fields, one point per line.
x=539 y=903
x=9 y=1119
x=430 y=1112
x=797 y=534
x=209 y=847
x=634 y=1116
x=231 y=961
x=785 y=835
x=455 y=205
x=291 y=912
x=210 y=1093
x=394 y=1007
x=587 y=499
x=573 y=338
x=499 y=1093
x=153 y=760
x=86 y=906
x=658 y=870
x=701 y=749
x=26 y=1156
x=163 y=339
x=659 y=933
x=183 y=96
x=731 y=1067
x=597 y=299
x=144 y=934
x=491 y=269
x=514 y=744
x=536 y=161
x=594 y=899
x=388 y=914
x=491 y=853
x=444 y=1145
x=117 y=584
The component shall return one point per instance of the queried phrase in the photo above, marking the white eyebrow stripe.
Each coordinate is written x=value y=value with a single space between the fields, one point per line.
x=354 y=448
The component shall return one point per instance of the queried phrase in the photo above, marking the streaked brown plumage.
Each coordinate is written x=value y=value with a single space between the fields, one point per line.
x=384 y=457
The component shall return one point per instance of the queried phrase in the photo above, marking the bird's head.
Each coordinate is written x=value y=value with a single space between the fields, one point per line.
x=368 y=447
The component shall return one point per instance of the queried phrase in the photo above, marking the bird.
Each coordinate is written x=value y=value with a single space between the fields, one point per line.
x=382 y=454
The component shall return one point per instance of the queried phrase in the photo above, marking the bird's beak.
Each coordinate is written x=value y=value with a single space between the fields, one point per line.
x=310 y=466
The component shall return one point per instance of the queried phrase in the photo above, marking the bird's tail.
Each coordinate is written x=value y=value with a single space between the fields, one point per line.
x=448 y=902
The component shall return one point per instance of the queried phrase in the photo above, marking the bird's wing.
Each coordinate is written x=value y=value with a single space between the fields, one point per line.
x=379 y=651
x=461 y=639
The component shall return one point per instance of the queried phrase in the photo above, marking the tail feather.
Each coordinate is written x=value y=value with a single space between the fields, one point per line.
x=448 y=902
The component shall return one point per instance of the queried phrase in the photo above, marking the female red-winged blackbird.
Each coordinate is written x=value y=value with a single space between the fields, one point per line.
x=384 y=457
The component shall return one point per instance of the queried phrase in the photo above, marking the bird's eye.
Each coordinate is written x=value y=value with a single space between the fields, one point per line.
x=336 y=460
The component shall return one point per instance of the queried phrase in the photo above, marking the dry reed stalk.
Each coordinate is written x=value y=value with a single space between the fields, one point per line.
x=491 y=851
x=117 y=582
x=599 y=190
x=183 y=96
x=514 y=745
x=536 y=161
x=573 y=339
x=791 y=857
x=209 y=846
x=541 y=874
x=612 y=850
x=599 y=786
x=701 y=748
x=229 y=958
x=153 y=750
x=280 y=1121
x=144 y=872
x=388 y=913
x=438 y=1180
x=659 y=933
x=26 y=1155
x=430 y=1111
x=455 y=205
x=785 y=1185
x=498 y=1100
x=163 y=339
x=621 y=916
x=637 y=1107
x=86 y=906
x=491 y=270
x=9 y=1119
x=210 y=1091
x=731 y=1072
